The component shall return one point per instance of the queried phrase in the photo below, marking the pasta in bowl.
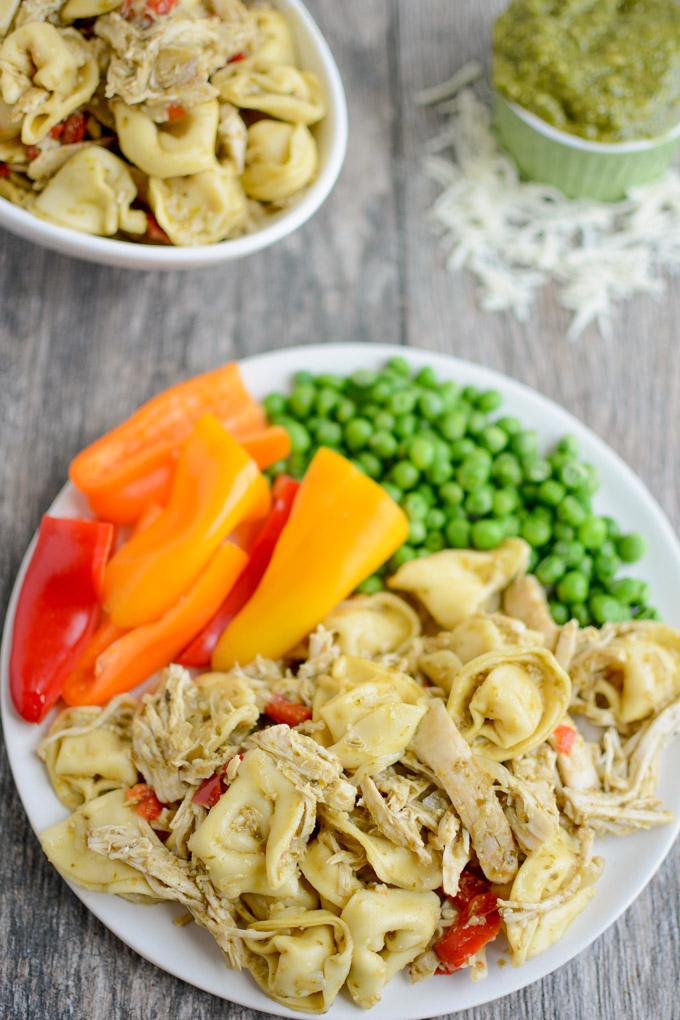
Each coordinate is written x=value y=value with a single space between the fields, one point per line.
x=198 y=179
x=401 y=825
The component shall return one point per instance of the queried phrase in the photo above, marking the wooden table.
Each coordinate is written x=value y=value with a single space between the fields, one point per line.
x=81 y=346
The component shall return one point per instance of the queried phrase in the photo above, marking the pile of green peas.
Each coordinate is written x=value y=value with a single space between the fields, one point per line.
x=468 y=479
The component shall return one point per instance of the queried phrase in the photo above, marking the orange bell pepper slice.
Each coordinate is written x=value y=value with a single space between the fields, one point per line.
x=131 y=465
x=216 y=486
x=342 y=527
x=123 y=504
x=141 y=652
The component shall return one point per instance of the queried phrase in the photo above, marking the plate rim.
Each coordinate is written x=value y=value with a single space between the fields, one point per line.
x=417 y=356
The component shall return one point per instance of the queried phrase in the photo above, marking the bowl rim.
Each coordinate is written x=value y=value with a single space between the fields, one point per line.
x=584 y=144
x=132 y=255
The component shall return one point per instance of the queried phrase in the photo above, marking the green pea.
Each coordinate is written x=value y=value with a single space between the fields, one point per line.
x=435 y=541
x=345 y=410
x=384 y=421
x=401 y=556
x=358 y=431
x=470 y=393
x=371 y=585
x=592 y=532
x=506 y=469
x=428 y=494
x=544 y=513
x=335 y=382
x=613 y=528
x=472 y=474
x=606 y=566
x=399 y=366
x=370 y=463
x=494 y=439
x=415 y=506
x=648 y=613
x=571 y=552
x=479 y=502
x=421 y=451
x=451 y=493
x=571 y=512
x=426 y=377
x=586 y=566
x=573 y=587
x=278 y=468
x=430 y=405
x=381 y=391
x=403 y=401
x=574 y=475
x=524 y=443
x=559 y=612
x=439 y=471
x=536 y=470
x=393 y=491
x=274 y=404
x=404 y=474
x=383 y=444
x=563 y=531
x=457 y=534
x=509 y=425
x=326 y=400
x=607 y=609
x=569 y=444
x=453 y=425
x=370 y=409
x=476 y=423
x=405 y=425
x=449 y=392
x=580 y=613
x=300 y=440
x=417 y=532
x=363 y=378
x=631 y=548
x=489 y=401
x=328 y=433
x=536 y=531
x=550 y=569
x=487 y=534
x=593 y=483
x=460 y=449
x=505 y=501
x=303 y=378
x=626 y=590
x=436 y=519
x=529 y=493
x=551 y=493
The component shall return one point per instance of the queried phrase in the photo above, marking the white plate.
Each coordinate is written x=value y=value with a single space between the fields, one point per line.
x=189 y=952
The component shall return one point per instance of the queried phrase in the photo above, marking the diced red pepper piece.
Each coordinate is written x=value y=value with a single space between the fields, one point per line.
x=280 y=710
x=478 y=923
x=57 y=131
x=161 y=7
x=144 y=801
x=198 y=653
x=564 y=738
x=57 y=611
x=154 y=231
x=74 y=129
x=4 y=170
x=210 y=791
x=237 y=58
x=176 y=112
x=32 y=152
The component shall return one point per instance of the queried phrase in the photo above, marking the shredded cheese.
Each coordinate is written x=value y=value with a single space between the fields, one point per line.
x=516 y=236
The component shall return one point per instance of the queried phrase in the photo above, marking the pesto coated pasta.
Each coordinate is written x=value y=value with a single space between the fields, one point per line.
x=182 y=122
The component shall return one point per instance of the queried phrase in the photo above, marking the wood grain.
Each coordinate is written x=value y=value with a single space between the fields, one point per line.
x=80 y=346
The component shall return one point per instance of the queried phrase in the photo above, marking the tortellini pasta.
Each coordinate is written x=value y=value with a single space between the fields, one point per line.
x=175 y=149
x=305 y=962
x=74 y=9
x=66 y=847
x=507 y=703
x=389 y=928
x=329 y=870
x=280 y=160
x=8 y=9
x=45 y=74
x=201 y=208
x=373 y=625
x=274 y=40
x=634 y=669
x=280 y=91
x=251 y=839
x=92 y=192
x=457 y=583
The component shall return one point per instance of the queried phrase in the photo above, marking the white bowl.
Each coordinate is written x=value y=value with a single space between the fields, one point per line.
x=331 y=136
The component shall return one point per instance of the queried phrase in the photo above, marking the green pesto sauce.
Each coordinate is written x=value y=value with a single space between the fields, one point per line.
x=607 y=70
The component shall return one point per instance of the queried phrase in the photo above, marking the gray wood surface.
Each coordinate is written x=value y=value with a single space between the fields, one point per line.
x=81 y=346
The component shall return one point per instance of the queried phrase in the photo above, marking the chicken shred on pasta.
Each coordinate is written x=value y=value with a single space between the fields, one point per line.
x=331 y=854
x=200 y=107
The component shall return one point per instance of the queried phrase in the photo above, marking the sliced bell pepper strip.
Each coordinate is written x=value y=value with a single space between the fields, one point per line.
x=478 y=922
x=343 y=526
x=57 y=610
x=147 y=442
x=291 y=713
x=201 y=648
x=144 y=801
x=216 y=486
x=123 y=504
x=141 y=652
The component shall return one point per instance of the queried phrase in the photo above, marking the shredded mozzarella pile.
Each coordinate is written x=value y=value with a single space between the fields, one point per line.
x=516 y=236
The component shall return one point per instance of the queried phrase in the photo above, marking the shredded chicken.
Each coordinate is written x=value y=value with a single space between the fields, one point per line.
x=525 y=599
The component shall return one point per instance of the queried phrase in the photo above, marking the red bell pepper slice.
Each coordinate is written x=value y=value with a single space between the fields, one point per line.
x=478 y=922
x=210 y=791
x=290 y=713
x=564 y=739
x=144 y=801
x=57 y=611
x=199 y=652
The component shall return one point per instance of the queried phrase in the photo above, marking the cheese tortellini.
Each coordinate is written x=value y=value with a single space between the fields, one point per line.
x=175 y=99
x=370 y=625
x=507 y=703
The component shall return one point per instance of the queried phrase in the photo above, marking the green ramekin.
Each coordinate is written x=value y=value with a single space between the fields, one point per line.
x=580 y=168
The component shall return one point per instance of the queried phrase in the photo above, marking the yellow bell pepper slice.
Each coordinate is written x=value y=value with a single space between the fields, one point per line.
x=343 y=526
x=216 y=486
